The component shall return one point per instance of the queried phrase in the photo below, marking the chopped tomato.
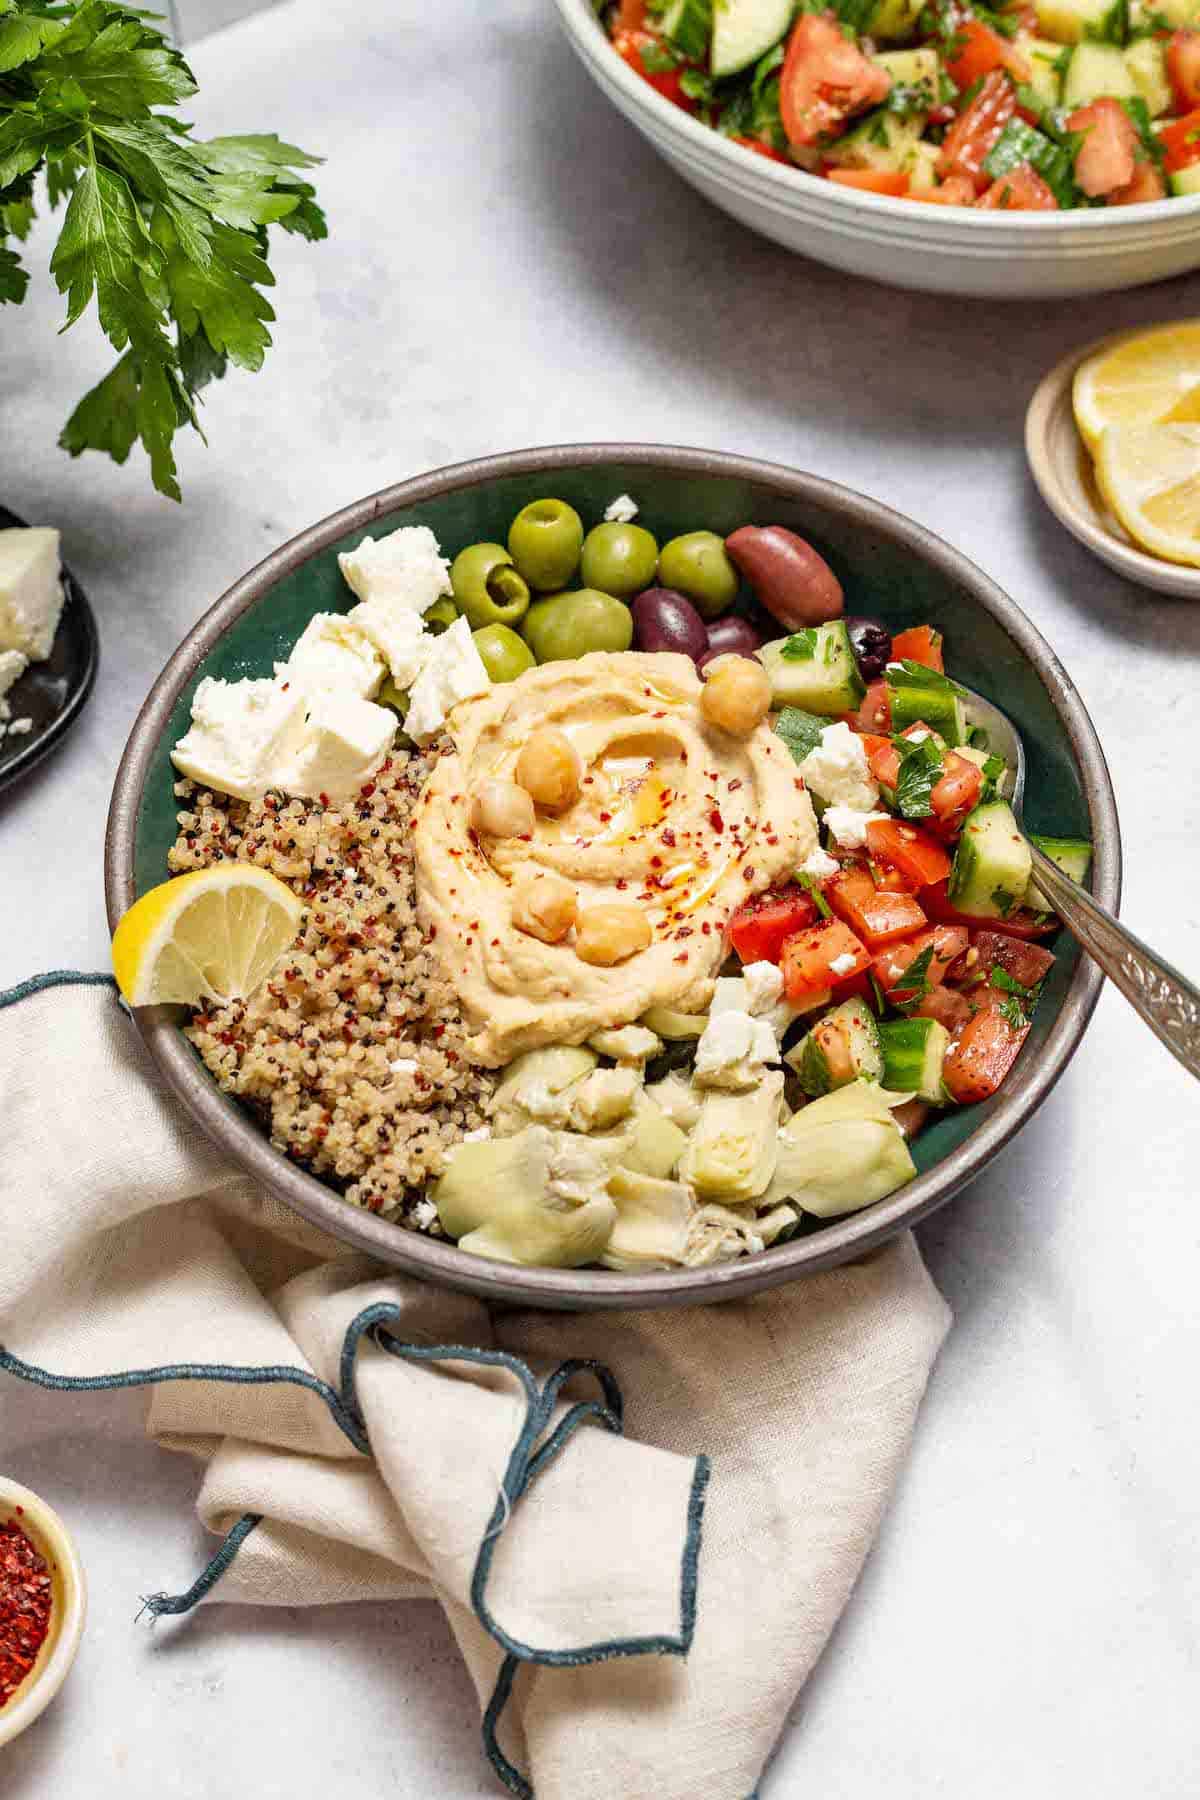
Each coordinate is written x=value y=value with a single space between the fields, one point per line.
x=1183 y=69
x=854 y=987
x=873 y=744
x=947 y=1006
x=875 y=711
x=631 y=46
x=976 y=129
x=1147 y=184
x=825 y=80
x=908 y=849
x=630 y=16
x=758 y=929
x=808 y=957
x=1108 y=154
x=872 y=181
x=876 y=915
x=1021 y=190
x=981 y=1055
x=761 y=149
x=955 y=190
x=1181 y=142
x=955 y=794
x=922 y=644
x=892 y=881
x=946 y=943
x=1025 y=962
x=1019 y=924
x=980 y=50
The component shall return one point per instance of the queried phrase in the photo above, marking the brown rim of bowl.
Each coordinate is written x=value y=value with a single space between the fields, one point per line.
x=444 y=1263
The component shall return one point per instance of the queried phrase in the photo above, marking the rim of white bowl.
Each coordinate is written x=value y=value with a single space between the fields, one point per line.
x=771 y=181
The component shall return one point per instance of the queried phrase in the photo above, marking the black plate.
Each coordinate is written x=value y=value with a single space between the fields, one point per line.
x=51 y=693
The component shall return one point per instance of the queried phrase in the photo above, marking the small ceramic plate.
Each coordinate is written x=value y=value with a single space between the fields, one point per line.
x=51 y=693
x=1062 y=469
x=68 y=1606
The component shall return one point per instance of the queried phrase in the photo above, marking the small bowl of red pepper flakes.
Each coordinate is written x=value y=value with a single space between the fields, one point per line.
x=43 y=1600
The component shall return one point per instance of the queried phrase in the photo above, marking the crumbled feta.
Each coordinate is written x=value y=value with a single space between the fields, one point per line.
x=918 y=736
x=345 y=740
x=243 y=733
x=31 y=592
x=764 y=986
x=404 y=569
x=842 y=965
x=734 y=993
x=622 y=511
x=848 y=826
x=424 y=1213
x=629 y=1044
x=734 y=1050
x=13 y=664
x=820 y=864
x=454 y=672
x=400 y=637
x=836 y=771
x=333 y=656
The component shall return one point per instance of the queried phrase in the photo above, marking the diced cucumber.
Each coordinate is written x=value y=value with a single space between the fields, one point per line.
x=841 y=1047
x=814 y=669
x=1177 y=13
x=688 y=25
x=913 y=1053
x=895 y=20
x=744 y=30
x=1185 y=181
x=981 y=759
x=883 y=141
x=991 y=865
x=1146 y=61
x=1072 y=855
x=1070 y=21
x=912 y=69
x=1045 y=72
x=930 y=699
x=1095 y=72
x=922 y=167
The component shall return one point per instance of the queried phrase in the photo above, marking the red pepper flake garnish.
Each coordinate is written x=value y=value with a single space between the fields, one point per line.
x=668 y=838
x=324 y=799
x=735 y=784
x=605 y=817
x=748 y=872
x=656 y=862
x=706 y=927
x=682 y=957
x=715 y=820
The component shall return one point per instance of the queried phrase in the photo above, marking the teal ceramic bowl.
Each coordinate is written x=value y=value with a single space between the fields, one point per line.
x=889 y=567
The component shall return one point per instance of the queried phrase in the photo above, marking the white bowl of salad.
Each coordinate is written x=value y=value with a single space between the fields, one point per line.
x=1048 y=149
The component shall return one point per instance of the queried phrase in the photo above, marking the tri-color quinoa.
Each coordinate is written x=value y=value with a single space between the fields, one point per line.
x=315 y=1049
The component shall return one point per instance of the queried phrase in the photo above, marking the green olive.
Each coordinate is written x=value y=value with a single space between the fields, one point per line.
x=619 y=559
x=698 y=565
x=544 y=540
x=390 y=695
x=570 y=625
x=505 y=655
x=441 y=616
x=487 y=587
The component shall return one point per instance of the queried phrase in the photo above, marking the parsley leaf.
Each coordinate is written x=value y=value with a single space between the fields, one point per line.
x=801 y=646
x=914 y=984
x=800 y=730
x=1011 y=1013
x=813 y=886
x=916 y=675
x=1008 y=984
x=994 y=770
x=921 y=769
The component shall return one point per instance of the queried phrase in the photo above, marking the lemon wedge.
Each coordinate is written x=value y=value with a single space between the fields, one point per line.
x=212 y=935
x=1152 y=378
x=1150 y=476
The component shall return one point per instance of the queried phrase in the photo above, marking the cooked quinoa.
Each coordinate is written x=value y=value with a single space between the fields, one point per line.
x=314 y=1050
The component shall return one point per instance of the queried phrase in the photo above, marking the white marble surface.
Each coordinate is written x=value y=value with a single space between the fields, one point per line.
x=509 y=265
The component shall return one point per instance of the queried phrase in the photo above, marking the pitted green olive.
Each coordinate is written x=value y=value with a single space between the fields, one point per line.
x=544 y=541
x=487 y=587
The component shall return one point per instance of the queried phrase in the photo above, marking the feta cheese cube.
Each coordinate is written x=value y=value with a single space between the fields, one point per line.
x=333 y=656
x=751 y=994
x=454 y=672
x=764 y=986
x=13 y=664
x=345 y=740
x=622 y=511
x=848 y=826
x=398 y=634
x=836 y=771
x=734 y=1050
x=406 y=569
x=819 y=864
x=243 y=733
x=31 y=592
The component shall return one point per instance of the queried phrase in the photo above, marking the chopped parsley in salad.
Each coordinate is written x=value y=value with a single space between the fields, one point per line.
x=1037 y=106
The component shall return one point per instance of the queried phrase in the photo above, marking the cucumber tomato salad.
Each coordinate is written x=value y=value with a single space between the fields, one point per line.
x=1037 y=106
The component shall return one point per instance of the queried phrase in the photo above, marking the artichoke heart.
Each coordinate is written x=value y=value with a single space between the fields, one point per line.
x=628 y=1044
x=653 y=1218
x=654 y=1144
x=539 y=1197
x=839 y=1166
x=719 y=1234
x=534 y=1085
x=732 y=1152
x=677 y=1098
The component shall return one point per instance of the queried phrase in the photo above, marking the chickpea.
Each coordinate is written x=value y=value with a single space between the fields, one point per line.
x=737 y=694
x=544 y=906
x=502 y=809
x=609 y=934
x=549 y=769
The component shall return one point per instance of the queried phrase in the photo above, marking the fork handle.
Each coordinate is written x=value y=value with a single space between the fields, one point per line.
x=1166 y=1000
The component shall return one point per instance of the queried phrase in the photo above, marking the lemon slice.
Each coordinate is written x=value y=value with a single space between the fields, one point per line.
x=1150 y=476
x=1152 y=378
x=212 y=935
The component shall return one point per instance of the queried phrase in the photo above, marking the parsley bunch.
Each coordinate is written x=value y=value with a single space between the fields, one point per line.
x=166 y=232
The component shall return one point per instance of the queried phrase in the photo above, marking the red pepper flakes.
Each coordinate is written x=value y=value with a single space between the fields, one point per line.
x=715 y=820
x=25 y=1605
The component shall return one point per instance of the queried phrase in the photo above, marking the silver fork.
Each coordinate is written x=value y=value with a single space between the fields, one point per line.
x=1166 y=1000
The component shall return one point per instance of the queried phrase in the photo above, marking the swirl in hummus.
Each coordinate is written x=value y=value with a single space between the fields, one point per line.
x=677 y=817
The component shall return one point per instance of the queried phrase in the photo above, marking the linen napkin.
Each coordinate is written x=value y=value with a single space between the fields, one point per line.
x=642 y=1527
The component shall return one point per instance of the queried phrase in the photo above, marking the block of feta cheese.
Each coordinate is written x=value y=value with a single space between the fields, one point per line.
x=621 y=511
x=406 y=569
x=242 y=734
x=454 y=672
x=13 y=664
x=734 y=1050
x=848 y=826
x=398 y=634
x=333 y=656
x=345 y=740
x=836 y=771
x=31 y=590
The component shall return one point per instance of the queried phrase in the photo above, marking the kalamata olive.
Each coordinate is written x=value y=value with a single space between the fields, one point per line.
x=796 y=586
x=872 y=646
x=665 y=620
x=731 y=635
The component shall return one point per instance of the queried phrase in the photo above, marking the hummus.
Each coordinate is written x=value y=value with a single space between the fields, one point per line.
x=682 y=820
